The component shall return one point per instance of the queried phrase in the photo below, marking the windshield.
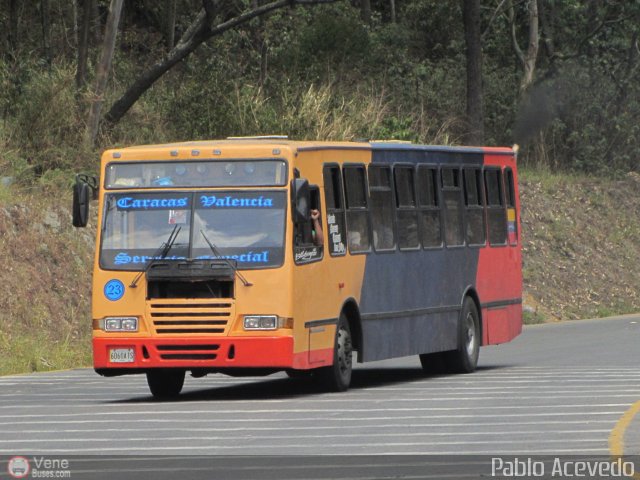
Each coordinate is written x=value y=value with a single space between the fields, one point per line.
x=198 y=174
x=244 y=226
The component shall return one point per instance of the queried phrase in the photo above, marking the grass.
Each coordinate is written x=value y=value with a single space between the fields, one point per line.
x=579 y=244
x=45 y=283
x=532 y=318
x=35 y=351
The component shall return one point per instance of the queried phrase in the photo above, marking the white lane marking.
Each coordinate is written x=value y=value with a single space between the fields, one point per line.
x=326 y=449
x=45 y=378
x=323 y=419
x=343 y=426
x=252 y=437
x=290 y=411
x=404 y=451
x=475 y=398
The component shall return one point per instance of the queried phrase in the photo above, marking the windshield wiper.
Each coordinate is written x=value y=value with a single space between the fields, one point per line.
x=162 y=252
x=229 y=262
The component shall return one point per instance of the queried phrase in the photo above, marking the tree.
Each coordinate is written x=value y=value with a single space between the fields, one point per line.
x=473 y=41
x=45 y=17
x=104 y=66
x=170 y=23
x=528 y=59
x=83 y=43
x=13 y=28
x=206 y=25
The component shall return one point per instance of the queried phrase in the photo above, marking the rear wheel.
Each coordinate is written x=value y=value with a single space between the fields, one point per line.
x=337 y=377
x=165 y=383
x=465 y=358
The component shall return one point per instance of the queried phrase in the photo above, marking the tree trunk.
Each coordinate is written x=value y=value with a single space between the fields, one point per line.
x=45 y=18
x=83 y=44
x=365 y=11
x=13 y=28
x=472 y=37
x=532 y=49
x=197 y=33
x=102 y=75
x=529 y=59
x=392 y=5
x=170 y=27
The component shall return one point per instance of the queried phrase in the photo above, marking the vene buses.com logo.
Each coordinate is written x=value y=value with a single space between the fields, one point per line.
x=18 y=467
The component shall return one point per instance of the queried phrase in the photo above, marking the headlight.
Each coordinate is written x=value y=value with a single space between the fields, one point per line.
x=120 y=324
x=260 y=322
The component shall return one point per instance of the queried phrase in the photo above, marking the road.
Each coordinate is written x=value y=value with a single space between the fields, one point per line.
x=566 y=388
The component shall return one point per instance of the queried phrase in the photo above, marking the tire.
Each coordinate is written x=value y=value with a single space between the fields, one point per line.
x=337 y=377
x=165 y=383
x=465 y=358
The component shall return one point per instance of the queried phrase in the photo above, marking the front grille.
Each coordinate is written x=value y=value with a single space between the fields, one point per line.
x=194 y=316
x=188 y=352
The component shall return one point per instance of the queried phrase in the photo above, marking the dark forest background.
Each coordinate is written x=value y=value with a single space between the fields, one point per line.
x=558 y=77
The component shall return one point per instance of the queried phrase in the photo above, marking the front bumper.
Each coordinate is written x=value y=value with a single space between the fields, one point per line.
x=239 y=352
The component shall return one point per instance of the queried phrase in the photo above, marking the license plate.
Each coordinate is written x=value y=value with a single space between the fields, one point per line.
x=121 y=355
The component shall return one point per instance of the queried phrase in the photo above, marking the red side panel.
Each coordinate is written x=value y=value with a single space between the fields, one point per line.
x=499 y=278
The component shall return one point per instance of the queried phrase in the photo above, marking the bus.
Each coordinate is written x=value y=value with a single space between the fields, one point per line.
x=208 y=259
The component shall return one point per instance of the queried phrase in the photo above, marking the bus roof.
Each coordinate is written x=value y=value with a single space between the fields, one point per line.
x=280 y=141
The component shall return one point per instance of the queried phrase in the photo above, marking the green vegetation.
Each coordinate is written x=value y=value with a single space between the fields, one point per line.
x=327 y=71
x=532 y=318
x=45 y=282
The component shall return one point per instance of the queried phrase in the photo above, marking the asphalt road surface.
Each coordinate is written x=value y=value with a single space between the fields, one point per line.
x=560 y=389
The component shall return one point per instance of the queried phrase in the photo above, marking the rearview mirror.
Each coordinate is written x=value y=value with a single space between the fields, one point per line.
x=301 y=200
x=85 y=185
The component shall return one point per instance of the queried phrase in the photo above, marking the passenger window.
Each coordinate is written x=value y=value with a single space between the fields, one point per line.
x=357 y=212
x=406 y=208
x=452 y=197
x=381 y=197
x=474 y=206
x=496 y=212
x=336 y=232
x=429 y=215
x=308 y=240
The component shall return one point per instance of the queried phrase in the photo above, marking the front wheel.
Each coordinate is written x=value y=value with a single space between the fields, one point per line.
x=337 y=377
x=465 y=358
x=165 y=383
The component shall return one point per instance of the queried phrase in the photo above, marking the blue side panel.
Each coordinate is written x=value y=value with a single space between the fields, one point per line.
x=402 y=148
x=410 y=301
x=394 y=153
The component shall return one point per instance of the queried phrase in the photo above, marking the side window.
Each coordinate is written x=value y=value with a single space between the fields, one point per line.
x=308 y=240
x=451 y=195
x=406 y=208
x=336 y=232
x=381 y=198
x=357 y=213
x=474 y=205
x=512 y=219
x=496 y=212
x=429 y=214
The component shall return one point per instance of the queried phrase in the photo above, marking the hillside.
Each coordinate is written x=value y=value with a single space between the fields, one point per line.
x=581 y=246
